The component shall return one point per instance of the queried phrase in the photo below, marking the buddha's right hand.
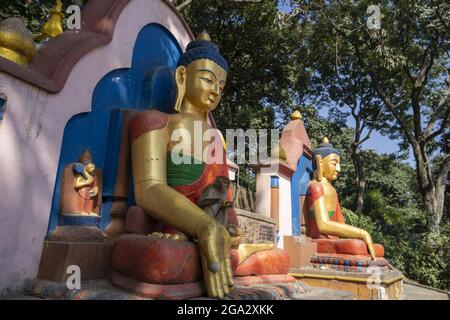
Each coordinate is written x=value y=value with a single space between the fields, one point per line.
x=215 y=245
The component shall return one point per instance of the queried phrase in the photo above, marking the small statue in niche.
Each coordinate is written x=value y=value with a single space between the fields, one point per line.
x=84 y=177
x=82 y=194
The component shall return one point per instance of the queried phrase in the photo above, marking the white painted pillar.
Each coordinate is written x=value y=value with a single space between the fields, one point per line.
x=285 y=215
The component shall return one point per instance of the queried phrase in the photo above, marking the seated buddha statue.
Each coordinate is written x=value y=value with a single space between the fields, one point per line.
x=324 y=219
x=172 y=168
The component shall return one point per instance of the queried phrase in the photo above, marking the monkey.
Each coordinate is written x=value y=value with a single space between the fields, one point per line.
x=213 y=200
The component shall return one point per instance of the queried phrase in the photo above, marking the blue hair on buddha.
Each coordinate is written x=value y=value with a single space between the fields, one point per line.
x=324 y=149
x=202 y=49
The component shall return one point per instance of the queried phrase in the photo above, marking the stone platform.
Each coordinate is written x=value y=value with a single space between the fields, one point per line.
x=376 y=285
x=103 y=290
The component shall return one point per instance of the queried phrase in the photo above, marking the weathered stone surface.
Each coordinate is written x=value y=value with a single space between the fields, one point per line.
x=92 y=258
x=156 y=260
x=255 y=227
x=138 y=222
x=265 y=262
x=77 y=234
x=104 y=290
x=300 y=250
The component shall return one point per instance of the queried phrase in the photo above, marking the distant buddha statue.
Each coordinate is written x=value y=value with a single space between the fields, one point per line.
x=324 y=218
x=186 y=189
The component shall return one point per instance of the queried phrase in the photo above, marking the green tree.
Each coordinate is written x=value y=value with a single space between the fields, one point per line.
x=267 y=77
x=33 y=13
x=407 y=64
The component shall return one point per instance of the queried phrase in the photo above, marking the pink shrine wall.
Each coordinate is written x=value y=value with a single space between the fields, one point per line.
x=32 y=130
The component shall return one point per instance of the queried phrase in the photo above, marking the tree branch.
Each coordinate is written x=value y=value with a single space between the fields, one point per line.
x=444 y=124
x=440 y=107
x=184 y=4
x=391 y=106
x=443 y=170
x=419 y=82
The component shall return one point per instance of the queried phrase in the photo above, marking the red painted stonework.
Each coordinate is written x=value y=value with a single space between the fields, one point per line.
x=164 y=261
x=156 y=260
x=268 y=262
x=347 y=246
x=266 y=279
x=138 y=222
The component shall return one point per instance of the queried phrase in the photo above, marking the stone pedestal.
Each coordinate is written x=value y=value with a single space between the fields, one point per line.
x=93 y=259
x=383 y=285
x=300 y=250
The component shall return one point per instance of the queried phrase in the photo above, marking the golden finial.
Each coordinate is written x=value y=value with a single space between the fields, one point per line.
x=204 y=36
x=325 y=140
x=296 y=115
x=16 y=42
x=53 y=27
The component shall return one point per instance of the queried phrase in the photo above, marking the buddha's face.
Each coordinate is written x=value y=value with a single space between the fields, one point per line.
x=204 y=84
x=331 y=166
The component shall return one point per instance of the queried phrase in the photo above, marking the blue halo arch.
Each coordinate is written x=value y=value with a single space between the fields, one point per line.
x=147 y=84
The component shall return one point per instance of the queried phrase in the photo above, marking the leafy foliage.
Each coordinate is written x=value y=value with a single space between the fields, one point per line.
x=408 y=245
x=34 y=14
x=319 y=56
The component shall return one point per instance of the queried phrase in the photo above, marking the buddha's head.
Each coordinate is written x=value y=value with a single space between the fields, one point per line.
x=201 y=75
x=326 y=161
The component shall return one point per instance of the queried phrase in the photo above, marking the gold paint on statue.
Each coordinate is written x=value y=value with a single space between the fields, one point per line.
x=204 y=36
x=148 y=149
x=247 y=249
x=199 y=87
x=328 y=169
x=53 y=27
x=86 y=178
x=15 y=43
x=296 y=115
x=199 y=90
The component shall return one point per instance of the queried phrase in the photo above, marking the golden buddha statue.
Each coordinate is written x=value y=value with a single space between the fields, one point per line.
x=16 y=42
x=323 y=212
x=177 y=195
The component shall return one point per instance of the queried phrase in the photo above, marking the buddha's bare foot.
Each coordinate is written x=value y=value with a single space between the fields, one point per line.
x=215 y=245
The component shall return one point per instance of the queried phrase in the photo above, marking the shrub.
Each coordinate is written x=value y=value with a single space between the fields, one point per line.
x=409 y=247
